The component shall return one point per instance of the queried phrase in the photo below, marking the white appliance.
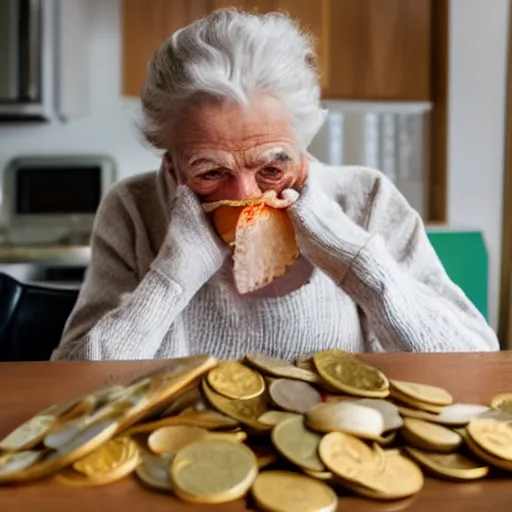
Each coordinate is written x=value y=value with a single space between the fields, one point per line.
x=49 y=205
x=52 y=200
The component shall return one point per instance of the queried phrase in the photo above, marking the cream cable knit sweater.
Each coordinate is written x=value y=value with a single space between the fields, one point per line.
x=159 y=283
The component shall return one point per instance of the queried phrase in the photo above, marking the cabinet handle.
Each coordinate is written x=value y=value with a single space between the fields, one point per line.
x=34 y=50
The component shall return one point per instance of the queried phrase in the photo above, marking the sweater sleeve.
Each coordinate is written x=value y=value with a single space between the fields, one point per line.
x=118 y=315
x=386 y=263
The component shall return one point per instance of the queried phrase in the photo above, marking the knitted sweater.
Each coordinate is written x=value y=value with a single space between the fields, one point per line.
x=367 y=279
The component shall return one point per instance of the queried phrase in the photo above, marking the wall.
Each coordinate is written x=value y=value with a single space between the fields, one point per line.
x=110 y=126
x=478 y=49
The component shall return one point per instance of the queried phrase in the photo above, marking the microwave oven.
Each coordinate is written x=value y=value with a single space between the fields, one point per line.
x=53 y=199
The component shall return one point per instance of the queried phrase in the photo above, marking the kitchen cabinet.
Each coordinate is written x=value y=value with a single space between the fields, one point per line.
x=380 y=49
x=146 y=25
x=368 y=49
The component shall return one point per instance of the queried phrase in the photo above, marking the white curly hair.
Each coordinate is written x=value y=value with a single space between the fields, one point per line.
x=234 y=55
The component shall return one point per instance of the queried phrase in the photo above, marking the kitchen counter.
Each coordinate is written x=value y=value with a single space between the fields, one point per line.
x=48 y=265
x=63 y=254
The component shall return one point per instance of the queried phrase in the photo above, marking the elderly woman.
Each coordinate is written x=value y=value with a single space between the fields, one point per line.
x=234 y=100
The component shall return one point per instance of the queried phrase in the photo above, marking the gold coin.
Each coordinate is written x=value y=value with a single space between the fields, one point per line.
x=213 y=471
x=171 y=369
x=14 y=463
x=294 y=395
x=153 y=471
x=481 y=454
x=422 y=392
x=201 y=405
x=308 y=364
x=189 y=397
x=244 y=411
x=280 y=368
x=112 y=410
x=345 y=455
x=347 y=417
x=234 y=437
x=407 y=412
x=429 y=436
x=401 y=398
x=324 y=476
x=347 y=373
x=108 y=457
x=503 y=402
x=123 y=402
x=450 y=465
x=399 y=478
x=366 y=492
x=134 y=393
x=298 y=444
x=207 y=419
x=85 y=404
x=72 y=477
x=173 y=438
x=455 y=415
x=65 y=433
x=275 y=417
x=164 y=385
x=389 y=475
x=81 y=445
x=235 y=380
x=70 y=410
x=284 y=491
x=105 y=395
x=101 y=397
x=29 y=434
x=492 y=435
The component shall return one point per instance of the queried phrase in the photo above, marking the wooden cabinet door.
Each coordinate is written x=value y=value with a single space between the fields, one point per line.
x=314 y=17
x=379 y=49
x=146 y=24
x=368 y=49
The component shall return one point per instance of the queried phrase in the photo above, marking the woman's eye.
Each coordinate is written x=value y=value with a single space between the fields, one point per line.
x=215 y=174
x=271 y=172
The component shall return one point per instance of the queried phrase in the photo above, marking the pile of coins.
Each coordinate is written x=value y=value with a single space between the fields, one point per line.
x=286 y=436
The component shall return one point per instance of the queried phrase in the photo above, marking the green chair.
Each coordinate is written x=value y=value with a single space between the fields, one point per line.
x=465 y=259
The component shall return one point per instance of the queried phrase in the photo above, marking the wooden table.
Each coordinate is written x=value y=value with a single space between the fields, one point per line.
x=29 y=387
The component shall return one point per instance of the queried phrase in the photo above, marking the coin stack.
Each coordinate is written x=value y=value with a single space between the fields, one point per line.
x=286 y=436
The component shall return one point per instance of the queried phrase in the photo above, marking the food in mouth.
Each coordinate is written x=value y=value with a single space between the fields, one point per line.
x=262 y=236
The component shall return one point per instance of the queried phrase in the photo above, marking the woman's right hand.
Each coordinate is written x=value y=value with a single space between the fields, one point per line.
x=192 y=252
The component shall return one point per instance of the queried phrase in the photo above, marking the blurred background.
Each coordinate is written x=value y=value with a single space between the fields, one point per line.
x=416 y=88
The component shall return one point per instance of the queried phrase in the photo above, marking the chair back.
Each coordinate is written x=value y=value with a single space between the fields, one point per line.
x=32 y=318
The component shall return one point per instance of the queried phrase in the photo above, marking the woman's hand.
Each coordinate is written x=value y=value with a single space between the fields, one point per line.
x=192 y=248
x=291 y=193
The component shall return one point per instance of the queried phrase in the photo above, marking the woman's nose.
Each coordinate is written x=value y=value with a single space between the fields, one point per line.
x=244 y=186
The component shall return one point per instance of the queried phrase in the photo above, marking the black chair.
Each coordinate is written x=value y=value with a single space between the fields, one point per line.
x=32 y=319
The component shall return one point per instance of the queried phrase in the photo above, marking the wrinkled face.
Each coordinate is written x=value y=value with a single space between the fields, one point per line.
x=226 y=151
